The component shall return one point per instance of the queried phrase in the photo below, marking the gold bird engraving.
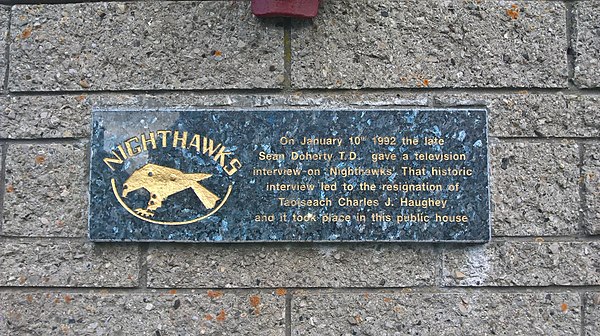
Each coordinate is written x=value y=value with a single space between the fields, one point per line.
x=162 y=182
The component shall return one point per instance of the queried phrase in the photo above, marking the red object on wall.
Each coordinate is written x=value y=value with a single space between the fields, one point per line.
x=304 y=9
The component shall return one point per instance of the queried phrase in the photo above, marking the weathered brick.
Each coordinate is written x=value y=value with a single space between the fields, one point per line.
x=149 y=45
x=45 y=190
x=591 y=178
x=592 y=314
x=65 y=313
x=386 y=44
x=67 y=264
x=535 y=188
x=523 y=264
x=587 y=43
x=4 y=23
x=291 y=266
x=477 y=313
x=35 y=117
x=533 y=115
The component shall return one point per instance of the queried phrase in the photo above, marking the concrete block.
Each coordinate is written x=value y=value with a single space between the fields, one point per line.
x=511 y=115
x=591 y=180
x=284 y=100
x=69 y=116
x=51 y=263
x=346 y=265
x=46 y=190
x=36 y=117
x=523 y=264
x=535 y=188
x=475 y=313
x=533 y=115
x=397 y=44
x=586 y=44
x=591 y=321
x=4 y=24
x=2 y=189
x=165 y=313
x=150 y=45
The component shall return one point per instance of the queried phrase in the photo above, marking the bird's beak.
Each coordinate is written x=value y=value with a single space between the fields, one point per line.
x=125 y=190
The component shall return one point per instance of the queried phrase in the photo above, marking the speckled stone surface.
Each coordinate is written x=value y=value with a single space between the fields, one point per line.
x=153 y=314
x=591 y=180
x=523 y=264
x=528 y=114
x=4 y=24
x=280 y=265
x=587 y=44
x=46 y=194
x=346 y=175
x=592 y=314
x=416 y=43
x=523 y=114
x=42 y=117
x=326 y=100
x=59 y=263
x=535 y=188
x=475 y=313
x=149 y=45
x=68 y=116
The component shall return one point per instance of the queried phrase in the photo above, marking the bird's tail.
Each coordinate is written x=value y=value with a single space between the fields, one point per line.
x=206 y=197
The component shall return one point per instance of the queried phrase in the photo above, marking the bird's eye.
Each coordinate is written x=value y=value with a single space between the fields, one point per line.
x=150 y=174
x=125 y=186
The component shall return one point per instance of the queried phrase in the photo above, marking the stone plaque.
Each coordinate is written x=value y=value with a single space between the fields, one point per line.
x=290 y=175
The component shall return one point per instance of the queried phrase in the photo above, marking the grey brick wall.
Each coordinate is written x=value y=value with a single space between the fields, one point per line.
x=534 y=64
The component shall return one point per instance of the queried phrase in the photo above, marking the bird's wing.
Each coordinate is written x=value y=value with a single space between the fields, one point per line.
x=206 y=196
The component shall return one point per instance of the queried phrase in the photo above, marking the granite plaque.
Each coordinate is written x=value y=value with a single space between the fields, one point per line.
x=289 y=175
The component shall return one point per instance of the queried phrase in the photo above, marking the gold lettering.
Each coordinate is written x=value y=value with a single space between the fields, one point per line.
x=234 y=166
x=276 y=171
x=163 y=135
x=117 y=159
x=208 y=146
x=433 y=141
x=291 y=186
x=413 y=217
x=132 y=151
x=271 y=156
x=220 y=156
x=195 y=142
x=264 y=218
x=137 y=144
x=377 y=217
x=439 y=171
x=325 y=202
x=344 y=201
x=376 y=157
x=177 y=138
x=334 y=218
x=120 y=148
x=423 y=203
x=151 y=140
x=451 y=218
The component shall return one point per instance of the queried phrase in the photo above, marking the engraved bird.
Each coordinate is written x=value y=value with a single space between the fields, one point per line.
x=162 y=182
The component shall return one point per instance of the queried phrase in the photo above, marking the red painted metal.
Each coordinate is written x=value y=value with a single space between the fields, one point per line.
x=304 y=9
